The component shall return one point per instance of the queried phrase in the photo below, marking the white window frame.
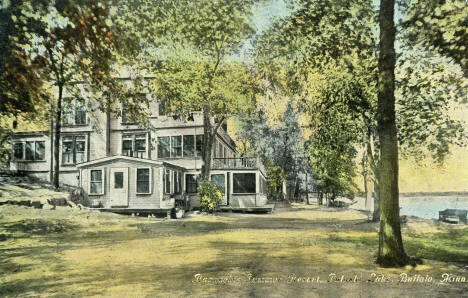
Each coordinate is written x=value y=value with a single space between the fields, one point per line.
x=133 y=137
x=185 y=183
x=103 y=181
x=171 y=184
x=74 y=139
x=177 y=180
x=159 y=144
x=34 y=150
x=74 y=106
x=150 y=188
x=242 y=172
x=23 y=150
x=181 y=146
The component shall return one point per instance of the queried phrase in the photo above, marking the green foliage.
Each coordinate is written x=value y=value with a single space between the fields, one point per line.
x=440 y=26
x=338 y=116
x=210 y=195
x=21 y=87
x=189 y=47
x=318 y=34
x=428 y=90
x=276 y=176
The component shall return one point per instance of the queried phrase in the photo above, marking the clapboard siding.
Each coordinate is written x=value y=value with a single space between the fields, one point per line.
x=150 y=201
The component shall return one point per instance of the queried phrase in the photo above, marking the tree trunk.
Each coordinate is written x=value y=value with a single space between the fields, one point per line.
x=58 y=128
x=51 y=169
x=376 y=211
x=208 y=139
x=391 y=252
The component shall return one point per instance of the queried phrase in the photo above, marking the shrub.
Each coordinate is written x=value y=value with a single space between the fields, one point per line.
x=209 y=196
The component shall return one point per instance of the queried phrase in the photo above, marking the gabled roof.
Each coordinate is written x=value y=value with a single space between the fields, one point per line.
x=110 y=159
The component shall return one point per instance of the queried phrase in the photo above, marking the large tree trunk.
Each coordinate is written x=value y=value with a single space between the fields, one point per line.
x=391 y=251
x=375 y=197
x=208 y=139
x=58 y=128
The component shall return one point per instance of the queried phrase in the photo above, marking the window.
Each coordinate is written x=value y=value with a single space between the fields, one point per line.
x=218 y=180
x=167 y=181
x=134 y=145
x=177 y=182
x=191 y=183
x=73 y=149
x=35 y=150
x=143 y=181
x=244 y=183
x=118 y=180
x=189 y=145
x=95 y=186
x=199 y=145
x=127 y=116
x=80 y=113
x=80 y=149
x=18 y=149
x=74 y=112
x=163 y=147
x=67 y=151
x=127 y=145
x=162 y=109
x=176 y=146
x=67 y=111
x=140 y=145
x=29 y=150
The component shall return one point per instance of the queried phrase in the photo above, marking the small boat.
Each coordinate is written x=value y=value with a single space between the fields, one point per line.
x=454 y=216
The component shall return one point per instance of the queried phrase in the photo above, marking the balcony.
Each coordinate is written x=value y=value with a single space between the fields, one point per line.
x=236 y=163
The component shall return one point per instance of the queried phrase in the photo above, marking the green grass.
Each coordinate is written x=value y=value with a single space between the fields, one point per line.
x=70 y=252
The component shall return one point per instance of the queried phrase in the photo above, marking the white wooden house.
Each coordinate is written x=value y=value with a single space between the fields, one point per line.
x=121 y=166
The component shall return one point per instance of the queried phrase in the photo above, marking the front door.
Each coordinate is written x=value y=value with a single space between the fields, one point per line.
x=119 y=187
x=220 y=181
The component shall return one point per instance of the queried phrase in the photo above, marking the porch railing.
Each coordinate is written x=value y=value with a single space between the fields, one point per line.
x=237 y=163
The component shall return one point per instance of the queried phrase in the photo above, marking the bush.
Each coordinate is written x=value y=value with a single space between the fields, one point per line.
x=210 y=195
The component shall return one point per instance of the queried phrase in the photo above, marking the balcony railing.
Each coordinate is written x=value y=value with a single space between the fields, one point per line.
x=253 y=163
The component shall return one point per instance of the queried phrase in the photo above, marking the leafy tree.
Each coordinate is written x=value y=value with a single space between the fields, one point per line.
x=21 y=89
x=440 y=26
x=190 y=46
x=281 y=147
x=322 y=35
x=20 y=85
x=428 y=88
x=337 y=115
x=69 y=42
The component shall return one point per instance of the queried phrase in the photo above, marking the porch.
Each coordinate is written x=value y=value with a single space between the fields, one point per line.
x=238 y=163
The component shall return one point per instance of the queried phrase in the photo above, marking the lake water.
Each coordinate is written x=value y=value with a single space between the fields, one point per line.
x=429 y=207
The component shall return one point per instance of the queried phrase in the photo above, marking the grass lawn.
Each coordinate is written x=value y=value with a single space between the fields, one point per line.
x=69 y=252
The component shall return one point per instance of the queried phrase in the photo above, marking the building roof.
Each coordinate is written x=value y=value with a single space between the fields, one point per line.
x=110 y=159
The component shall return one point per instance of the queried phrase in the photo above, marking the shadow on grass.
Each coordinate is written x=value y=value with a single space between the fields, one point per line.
x=450 y=246
x=39 y=226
